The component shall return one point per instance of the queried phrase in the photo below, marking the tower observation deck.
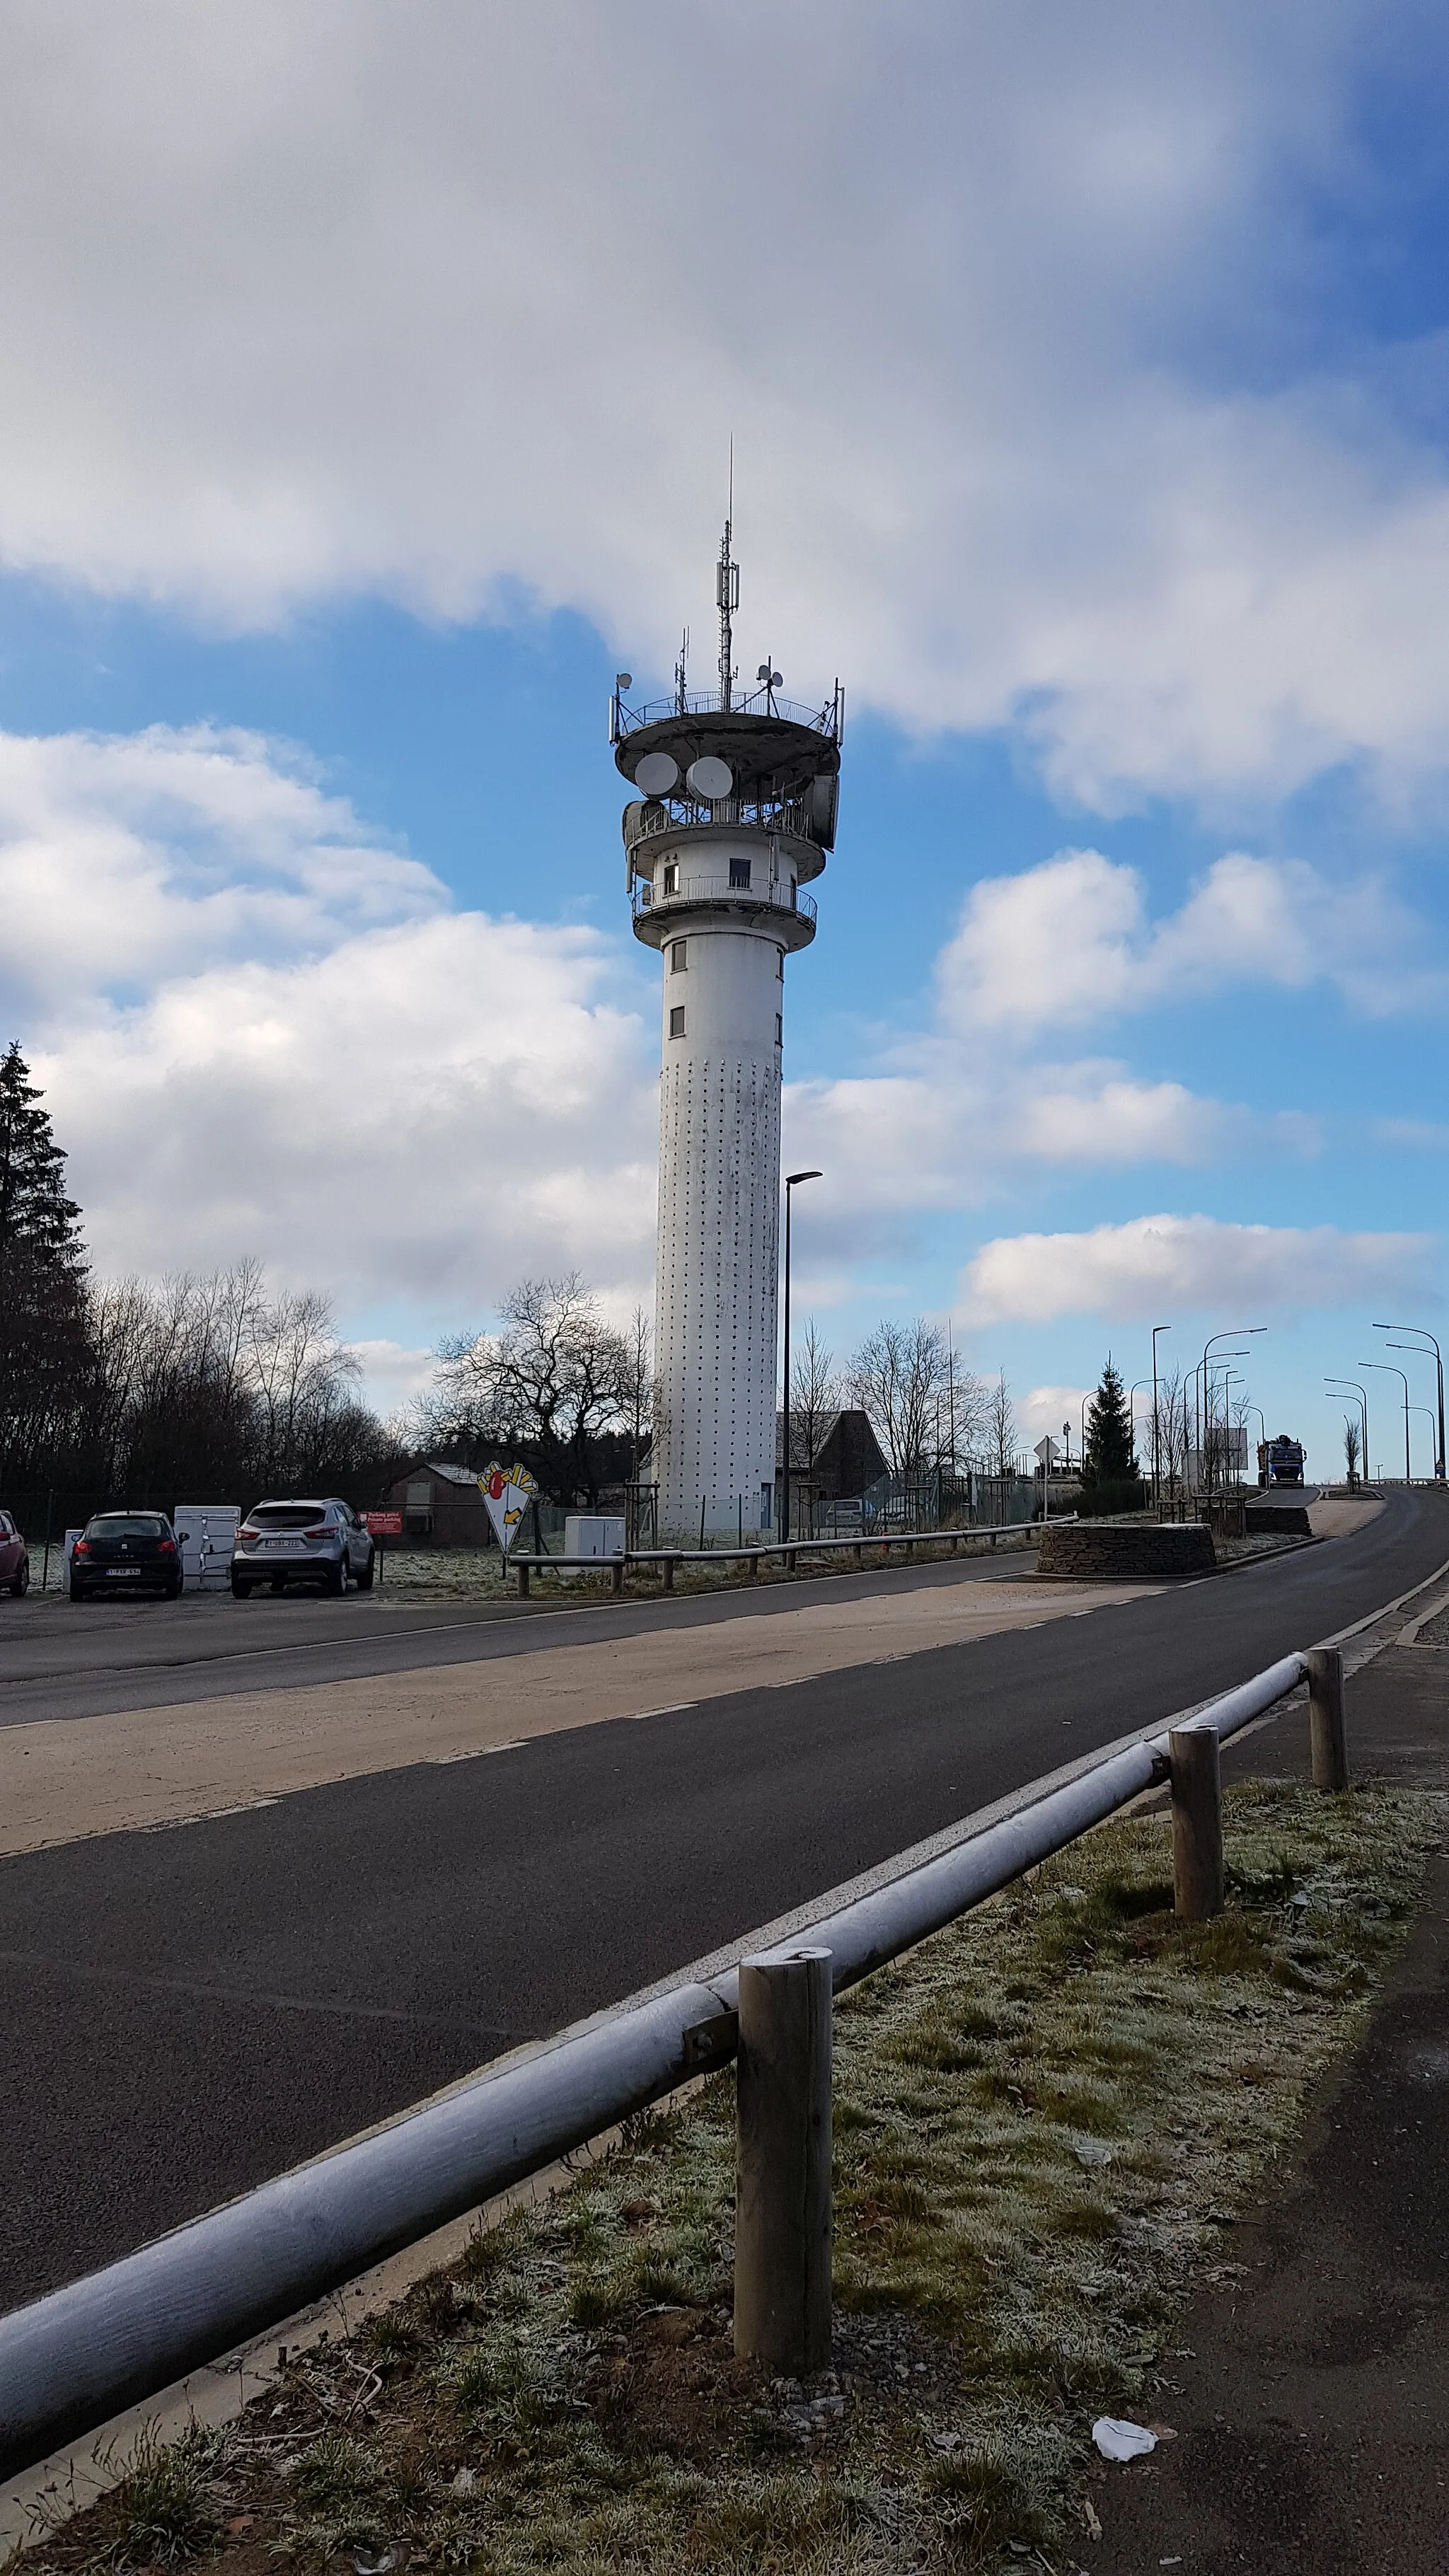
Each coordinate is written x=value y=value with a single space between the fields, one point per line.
x=733 y=813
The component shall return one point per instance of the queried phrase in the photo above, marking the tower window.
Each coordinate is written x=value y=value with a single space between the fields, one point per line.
x=671 y=880
x=676 y=1021
x=792 y=894
x=679 y=957
x=780 y=968
x=779 y=1028
x=739 y=872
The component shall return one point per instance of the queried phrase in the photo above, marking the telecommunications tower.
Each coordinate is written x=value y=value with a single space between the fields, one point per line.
x=734 y=810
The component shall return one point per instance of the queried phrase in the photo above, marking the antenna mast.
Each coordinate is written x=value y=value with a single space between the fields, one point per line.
x=727 y=593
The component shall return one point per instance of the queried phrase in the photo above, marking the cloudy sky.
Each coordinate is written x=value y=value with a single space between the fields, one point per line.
x=367 y=387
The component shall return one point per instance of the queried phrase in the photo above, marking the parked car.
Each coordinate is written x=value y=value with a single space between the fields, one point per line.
x=125 y=1552
x=14 y=1558
x=301 y=1542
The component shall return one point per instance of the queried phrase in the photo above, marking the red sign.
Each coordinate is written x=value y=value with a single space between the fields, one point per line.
x=384 y=1524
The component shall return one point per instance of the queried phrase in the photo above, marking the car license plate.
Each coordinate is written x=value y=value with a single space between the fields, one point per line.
x=282 y=1546
x=114 y=1570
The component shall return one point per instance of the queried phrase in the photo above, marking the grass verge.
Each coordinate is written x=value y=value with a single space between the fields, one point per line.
x=1046 y=2119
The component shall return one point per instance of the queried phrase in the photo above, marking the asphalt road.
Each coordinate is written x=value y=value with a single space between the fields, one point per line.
x=186 y=2011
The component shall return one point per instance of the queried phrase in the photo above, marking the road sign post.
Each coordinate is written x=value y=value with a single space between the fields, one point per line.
x=382 y=1526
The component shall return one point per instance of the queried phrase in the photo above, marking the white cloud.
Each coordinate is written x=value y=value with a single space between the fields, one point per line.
x=259 y=1030
x=423 y=1111
x=128 y=859
x=1135 y=1272
x=1044 y=1410
x=325 y=301
x=1071 y=941
x=393 y=1374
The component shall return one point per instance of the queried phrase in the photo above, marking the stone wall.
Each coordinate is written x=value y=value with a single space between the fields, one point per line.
x=1127 y=1552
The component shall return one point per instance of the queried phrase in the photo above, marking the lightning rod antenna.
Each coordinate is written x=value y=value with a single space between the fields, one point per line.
x=680 y=681
x=727 y=593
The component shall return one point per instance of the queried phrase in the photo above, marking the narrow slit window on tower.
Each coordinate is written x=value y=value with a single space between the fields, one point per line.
x=739 y=872
x=780 y=968
x=779 y=1028
x=676 y=1021
x=671 y=880
x=679 y=956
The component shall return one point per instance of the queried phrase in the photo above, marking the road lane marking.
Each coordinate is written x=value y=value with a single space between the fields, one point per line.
x=62 y=1779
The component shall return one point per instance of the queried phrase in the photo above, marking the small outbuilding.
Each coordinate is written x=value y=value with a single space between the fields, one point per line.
x=846 y=1460
x=441 y=1506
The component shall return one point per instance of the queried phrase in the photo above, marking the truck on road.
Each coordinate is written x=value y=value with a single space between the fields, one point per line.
x=1280 y=1461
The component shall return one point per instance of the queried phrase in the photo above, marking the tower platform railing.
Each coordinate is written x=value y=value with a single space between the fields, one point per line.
x=695 y=887
x=824 y=719
x=782 y=816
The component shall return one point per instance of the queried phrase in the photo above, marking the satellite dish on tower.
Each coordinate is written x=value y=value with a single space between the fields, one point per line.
x=709 y=779
x=623 y=679
x=771 y=679
x=656 y=774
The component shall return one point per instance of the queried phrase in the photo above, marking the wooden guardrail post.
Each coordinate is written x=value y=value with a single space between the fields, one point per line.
x=1197 y=1822
x=616 y=1573
x=782 y=2182
x=523 y=1582
x=1327 y=1733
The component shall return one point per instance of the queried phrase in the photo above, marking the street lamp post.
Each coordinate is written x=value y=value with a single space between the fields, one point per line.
x=1424 y=1336
x=1223 y=1361
x=1156 y=1445
x=1131 y=1391
x=1228 y=1377
x=1389 y=1370
x=1262 y=1425
x=792 y=1181
x=1342 y=1385
x=1207 y=1346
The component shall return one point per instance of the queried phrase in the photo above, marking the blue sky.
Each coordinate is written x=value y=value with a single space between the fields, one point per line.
x=1088 y=384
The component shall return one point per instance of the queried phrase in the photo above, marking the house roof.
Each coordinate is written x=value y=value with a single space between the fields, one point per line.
x=824 y=1430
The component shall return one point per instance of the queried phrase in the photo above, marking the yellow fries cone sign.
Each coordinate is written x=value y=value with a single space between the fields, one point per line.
x=507 y=1493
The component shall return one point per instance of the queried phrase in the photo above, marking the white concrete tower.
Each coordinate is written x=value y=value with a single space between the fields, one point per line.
x=735 y=811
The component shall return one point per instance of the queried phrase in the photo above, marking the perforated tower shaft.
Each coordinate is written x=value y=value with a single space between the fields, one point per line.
x=735 y=813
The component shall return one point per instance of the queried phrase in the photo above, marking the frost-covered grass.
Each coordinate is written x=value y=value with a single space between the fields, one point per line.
x=1045 y=2120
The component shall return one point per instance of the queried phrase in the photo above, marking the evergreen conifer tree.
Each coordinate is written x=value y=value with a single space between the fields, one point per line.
x=1111 y=1457
x=45 y=1337
x=34 y=1210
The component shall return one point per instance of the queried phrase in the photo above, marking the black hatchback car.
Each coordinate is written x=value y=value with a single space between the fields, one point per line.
x=120 y=1552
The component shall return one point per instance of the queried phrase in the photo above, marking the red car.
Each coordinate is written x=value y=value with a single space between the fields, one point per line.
x=14 y=1558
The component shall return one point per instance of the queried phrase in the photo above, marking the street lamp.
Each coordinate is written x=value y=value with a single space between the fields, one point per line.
x=1207 y=1346
x=1223 y=1361
x=1389 y=1370
x=1131 y=1391
x=1424 y=1336
x=1262 y=1425
x=1156 y=1446
x=1228 y=1377
x=792 y=1182
x=1342 y=1384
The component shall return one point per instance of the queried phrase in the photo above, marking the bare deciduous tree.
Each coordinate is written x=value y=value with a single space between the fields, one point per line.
x=555 y=1378
x=898 y=1375
x=1352 y=1449
x=814 y=1396
x=1000 y=1428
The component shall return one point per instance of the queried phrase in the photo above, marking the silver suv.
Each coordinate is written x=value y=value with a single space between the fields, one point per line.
x=301 y=1542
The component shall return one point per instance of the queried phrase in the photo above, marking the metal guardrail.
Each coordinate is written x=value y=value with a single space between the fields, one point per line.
x=76 y=2357
x=749 y=1552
